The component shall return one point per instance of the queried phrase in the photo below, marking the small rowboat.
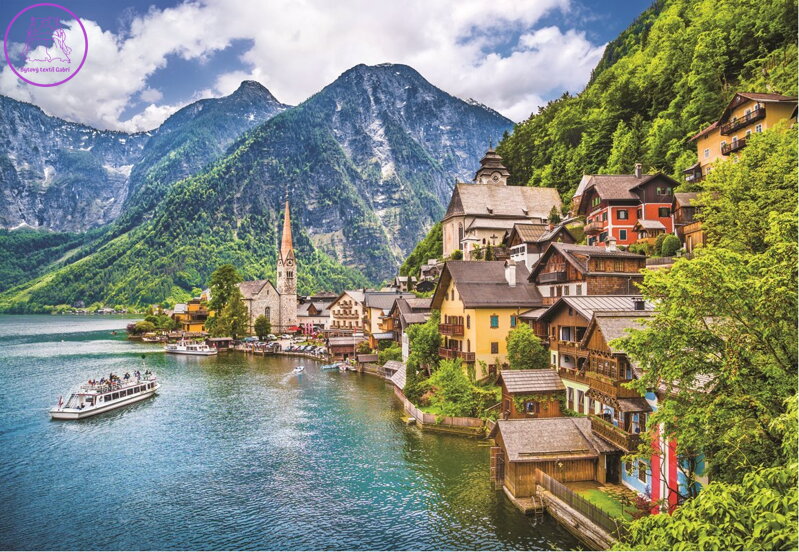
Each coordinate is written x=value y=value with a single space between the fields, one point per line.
x=299 y=369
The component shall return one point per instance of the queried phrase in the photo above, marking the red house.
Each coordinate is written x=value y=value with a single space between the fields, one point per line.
x=614 y=203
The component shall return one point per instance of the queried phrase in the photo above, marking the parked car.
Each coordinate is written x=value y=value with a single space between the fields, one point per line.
x=285 y=336
x=271 y=337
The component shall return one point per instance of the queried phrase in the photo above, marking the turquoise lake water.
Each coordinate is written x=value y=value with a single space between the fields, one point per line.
x=235 y=452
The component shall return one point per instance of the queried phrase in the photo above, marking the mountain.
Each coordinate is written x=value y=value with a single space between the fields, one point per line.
x=69 y=177
x=367 y=163
x=662 y=80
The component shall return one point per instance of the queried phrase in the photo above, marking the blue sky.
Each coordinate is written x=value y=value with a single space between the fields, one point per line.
x=147 y=59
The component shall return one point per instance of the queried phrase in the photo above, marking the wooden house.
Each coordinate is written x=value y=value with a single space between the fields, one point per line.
x=527 y=242
x=572 y=270
x=688 y=229
x=563 y=448
x=531 y=393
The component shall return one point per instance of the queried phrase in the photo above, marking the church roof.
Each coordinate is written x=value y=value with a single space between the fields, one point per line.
x=490 y=163
x=491 y=201
x=252 y=288
x=286 y=245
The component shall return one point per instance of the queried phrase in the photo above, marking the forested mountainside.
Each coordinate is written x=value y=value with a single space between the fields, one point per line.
x=367 y=163
x=661 y=81
x=69 y=177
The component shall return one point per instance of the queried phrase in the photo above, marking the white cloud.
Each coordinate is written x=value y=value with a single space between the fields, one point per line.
x=299 y=47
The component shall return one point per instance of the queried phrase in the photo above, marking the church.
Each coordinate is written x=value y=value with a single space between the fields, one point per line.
x=278 y=304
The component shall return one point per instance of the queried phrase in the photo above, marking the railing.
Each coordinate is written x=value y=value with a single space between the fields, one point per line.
x=611 y=389
x=596 y=515
x=733 y=146
x=616 y=435
x=694 y=177
x=552 y=277
x=594 y=228
x=450 y=329
x=754 y=115
x=445 y=353
x=572 y=374
x=571 y=348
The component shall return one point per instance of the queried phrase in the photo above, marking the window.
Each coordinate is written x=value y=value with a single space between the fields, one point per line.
x=552 y=291
x=494 y=347
x=604 y=216
x=748 y=134
x=565 y=290
x=512 y=321
x=622 y=235
x=595 y=201
x=628 y=466
x=707 y=153
x=622 y=214
x=468 y=321
x=638 y=212
x=618 y=266
x=759 y=128
x=578 y=289
x=560 y=290
x=664 y=211
x=642 y=471
x=570 y=398
x=494 y=321
x=723 y=143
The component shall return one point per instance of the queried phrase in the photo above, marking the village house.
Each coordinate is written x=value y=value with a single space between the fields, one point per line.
x=313 y=312
x=277 y=303
x=613 y=204
x=378 y=324
x=568 y=270
x=531 y=394
x=347 y=311
x=431 y=270
x=564 y=448
x=191 y=315
x=746 y=113
x=479 y=303
x=526 y=242
x=404 y=283
x=404 y=313
x=688 y=229
x=479 y=214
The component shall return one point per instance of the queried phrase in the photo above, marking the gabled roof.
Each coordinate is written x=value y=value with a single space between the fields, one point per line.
x=383 y=299
x=578 y=256
x=618 y=187
x=646 y=224
x=737 y=100
x=537 y=233
x=549 y=439
x=483 y=284
x=398 y=378
x=614 y=325
x=587 y=305
x=253 y=288
x=356 y=295
x=489 y=200
x=531 y=381
x=685 y=199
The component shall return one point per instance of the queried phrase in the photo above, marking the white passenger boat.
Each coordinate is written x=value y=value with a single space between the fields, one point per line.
x=190 y=348
x=299 y=369
x=95 y=397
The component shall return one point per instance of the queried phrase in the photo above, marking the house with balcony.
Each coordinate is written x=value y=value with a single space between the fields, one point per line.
x=479 y=303
x=479 y=213
x=404 y=313
x=347 y=311
x=526 y=242
x=377 y=324
x=531 y=394
x=566 y=270
x=612 y=205
x=191 y=315
x=747 y=113
x=688 y=229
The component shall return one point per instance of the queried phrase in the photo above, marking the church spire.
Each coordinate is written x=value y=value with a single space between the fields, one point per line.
x=286 y=245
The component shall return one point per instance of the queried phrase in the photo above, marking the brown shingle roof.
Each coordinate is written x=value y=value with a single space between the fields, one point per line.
x=383 y=299
x=587 y=305
x=616 y=324
x=531 y=381
x=685 y=199
x=647 y=224
x=578 y=255
x=503 y=201
x=483 y=284
x=252 y=288
x=398 y=378
x=547 y=439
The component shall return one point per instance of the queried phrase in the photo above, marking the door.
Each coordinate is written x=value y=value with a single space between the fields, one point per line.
x=613 y=466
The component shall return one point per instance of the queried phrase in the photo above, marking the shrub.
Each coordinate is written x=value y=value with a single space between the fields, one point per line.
x=671 y=244
x=659 y=245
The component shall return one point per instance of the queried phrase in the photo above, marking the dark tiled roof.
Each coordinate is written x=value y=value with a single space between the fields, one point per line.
x=578 y=255
x=587 y=305
x=703 y=131
x=685 y=199
x=634 y=405
x=398 y=378
x=546 y=439
x=615 y=324
x=383 y=299
x=761 y=97
x=531 y=381
x=483 y=284
x=252 y=288
x=503 y=201
x=647 y=224
x=419 y=303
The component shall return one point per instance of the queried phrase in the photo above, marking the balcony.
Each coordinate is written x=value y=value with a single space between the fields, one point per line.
x=572 y=374
x=451 y=329
x=615 y=435
x=613 y=389
x=551 y=277
x=594 y=228
x=733 y=146
x=754 y=115
x=572 y=348
x=445 y=353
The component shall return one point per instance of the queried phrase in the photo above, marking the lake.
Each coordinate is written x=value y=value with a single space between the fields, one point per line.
x=235 y=452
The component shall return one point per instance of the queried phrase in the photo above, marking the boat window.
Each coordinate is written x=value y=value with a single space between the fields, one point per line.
x=115 y=396
x=137 y=389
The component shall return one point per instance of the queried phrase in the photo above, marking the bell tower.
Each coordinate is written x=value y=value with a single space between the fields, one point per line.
x=287 y=276
x=491 y=170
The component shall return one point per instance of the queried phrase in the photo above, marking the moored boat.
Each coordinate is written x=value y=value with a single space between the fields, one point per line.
x=190 y=348
x=98 y=396
x=299 y=369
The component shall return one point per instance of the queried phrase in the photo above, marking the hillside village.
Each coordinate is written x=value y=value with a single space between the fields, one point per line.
x=514 y=257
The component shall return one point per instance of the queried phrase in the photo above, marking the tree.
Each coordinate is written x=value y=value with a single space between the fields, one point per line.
x=423 y=357
x=394 y=352
x=554 y=215
x=224 y=281
x=363 y=348
x=262 y=327
x=233 y=319
x=658 y=252
x=525 y=351
x=453 y=392
x=143 y=326
x=671 y=244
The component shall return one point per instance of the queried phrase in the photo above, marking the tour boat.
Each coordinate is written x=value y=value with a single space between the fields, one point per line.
x=190 y=348
x=299 y=369
x=329 y=368
x=95 y=397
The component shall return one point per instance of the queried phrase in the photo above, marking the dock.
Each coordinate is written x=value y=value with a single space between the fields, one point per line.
x=527 y=505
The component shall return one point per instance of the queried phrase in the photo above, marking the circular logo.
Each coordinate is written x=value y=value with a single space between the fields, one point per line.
x=45 y=44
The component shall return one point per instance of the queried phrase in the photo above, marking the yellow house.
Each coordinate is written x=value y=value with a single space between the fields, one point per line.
x=376 y=307
x=746 y=113
x=191 y=316
x=479 y=303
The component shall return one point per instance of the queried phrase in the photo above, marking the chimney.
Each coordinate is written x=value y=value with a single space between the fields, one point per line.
x=510 y=272
x=638 y=170
x=610 y=244
x=639 y=304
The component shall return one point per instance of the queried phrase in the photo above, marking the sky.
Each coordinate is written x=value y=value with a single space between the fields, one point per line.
x=147 y=59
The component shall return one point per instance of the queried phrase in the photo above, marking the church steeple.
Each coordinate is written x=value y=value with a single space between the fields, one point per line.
x=286 y=263
x=491 y=170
